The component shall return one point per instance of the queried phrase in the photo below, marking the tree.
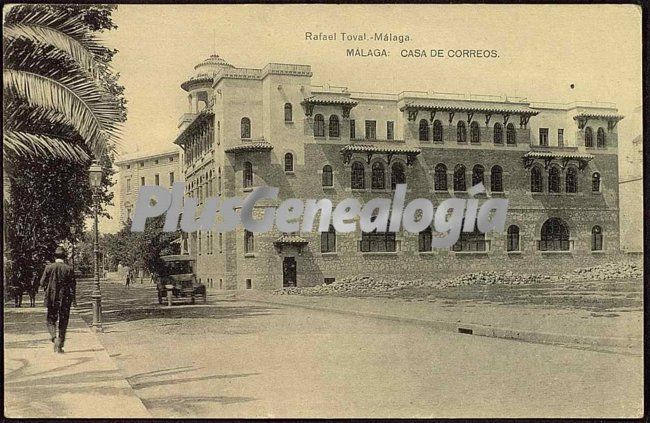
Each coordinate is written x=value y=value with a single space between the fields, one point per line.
x=142 y=250
x=60 y=94
x=63 y=105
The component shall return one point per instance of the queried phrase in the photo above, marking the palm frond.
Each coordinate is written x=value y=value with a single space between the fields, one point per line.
x=44 y=35
x=25 y=144
x=84 y=106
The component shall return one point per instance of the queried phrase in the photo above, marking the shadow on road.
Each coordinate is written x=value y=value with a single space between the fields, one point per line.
x=121 y=304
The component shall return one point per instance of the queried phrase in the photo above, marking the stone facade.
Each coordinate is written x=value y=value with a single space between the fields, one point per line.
x=147 y=168
x=238 y=120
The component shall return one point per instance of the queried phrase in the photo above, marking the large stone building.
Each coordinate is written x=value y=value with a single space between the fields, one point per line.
x=556 y=163
x=161 y=167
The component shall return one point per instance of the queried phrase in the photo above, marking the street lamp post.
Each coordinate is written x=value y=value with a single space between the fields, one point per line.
x=73 y=231
x=95 y=173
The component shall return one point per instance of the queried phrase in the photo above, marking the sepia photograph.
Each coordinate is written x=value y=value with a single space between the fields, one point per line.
x=323 y=211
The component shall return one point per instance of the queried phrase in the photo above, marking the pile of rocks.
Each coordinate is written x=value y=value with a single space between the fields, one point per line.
x=607 y=272
x=360 y=285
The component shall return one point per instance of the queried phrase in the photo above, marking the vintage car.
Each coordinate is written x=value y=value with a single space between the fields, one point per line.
x=176 y=279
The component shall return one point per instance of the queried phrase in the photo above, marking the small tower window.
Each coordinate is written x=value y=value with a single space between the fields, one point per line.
x=245 y=128
x=288 y=112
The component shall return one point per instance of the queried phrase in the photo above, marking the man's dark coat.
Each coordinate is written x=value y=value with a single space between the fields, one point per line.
x=59 y=284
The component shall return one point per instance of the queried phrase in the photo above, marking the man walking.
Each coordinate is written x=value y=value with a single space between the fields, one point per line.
x=60 y=288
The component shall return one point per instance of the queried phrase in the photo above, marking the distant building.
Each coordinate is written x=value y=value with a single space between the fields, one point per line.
x=145 y=168
x=556 y=163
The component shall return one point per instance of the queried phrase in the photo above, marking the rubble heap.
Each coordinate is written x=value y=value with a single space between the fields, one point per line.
x=360 y=285
x=607 y=271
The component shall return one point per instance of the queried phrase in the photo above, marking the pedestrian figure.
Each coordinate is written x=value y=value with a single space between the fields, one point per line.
x=60 y=289
x=128 y=278
x=32 y=290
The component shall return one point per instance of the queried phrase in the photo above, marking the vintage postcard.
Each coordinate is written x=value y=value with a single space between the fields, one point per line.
x=341 y=211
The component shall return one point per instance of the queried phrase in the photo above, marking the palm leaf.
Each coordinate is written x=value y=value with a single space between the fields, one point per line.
x=78 y=100
x=61 y=41
x=26 y=144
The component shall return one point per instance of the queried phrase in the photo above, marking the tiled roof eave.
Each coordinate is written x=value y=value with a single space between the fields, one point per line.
x=244 y=148
x=559 y=155
x=434 y=107
x=361 y=148
x=291 y=240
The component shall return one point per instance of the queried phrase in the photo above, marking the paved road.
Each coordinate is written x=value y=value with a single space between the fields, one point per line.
x=236 y=359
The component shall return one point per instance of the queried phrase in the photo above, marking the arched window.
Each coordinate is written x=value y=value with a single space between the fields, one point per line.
x=440 y=177
x=424 y=240
x=536 y=180
x=595 y=182
x=288 y=162
x=496 y=179
x=600 y=138
x=596 y=238
x=475 y=132
x=555 y=235
x=397 y=175
x=459 y=178
x=248 y=175
x=378 y=176
x=334 y=127
x=319 y=126
x=328 y=240
x=461 y=132
x=358 y=180
x=513 y=238
x=288 y=112
x=498 y=133
x=249 y=242
x=478 y=175
x=470 y=241
x=571 y=181
x=554 y=179
x=511 y=135
x=328 y=179
x=424 y=130
x=245 y=127
x=437 y=131
x=376 y=241
x=589 y=137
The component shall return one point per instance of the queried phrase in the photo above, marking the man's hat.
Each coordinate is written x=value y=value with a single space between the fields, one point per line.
x=60 y=252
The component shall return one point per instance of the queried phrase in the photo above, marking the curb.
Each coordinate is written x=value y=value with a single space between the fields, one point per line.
x=479 y=330
x=125 y=382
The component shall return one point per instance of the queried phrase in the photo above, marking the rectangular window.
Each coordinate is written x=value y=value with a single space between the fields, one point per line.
x=128 y=167
x=157 y=179
x=560 y=137
x=390 y=130
x=543 y=137
x=171 y=178
x=141 y=164
x=371 y=129
x=156 y=161
x=142 y=181
x=378 y=242
x=249 y=284
x=329 y=281
x=128 y=184
x=353 y=132
x=171 y=159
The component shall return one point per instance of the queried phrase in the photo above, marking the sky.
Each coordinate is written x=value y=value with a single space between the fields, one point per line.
x=542 y=50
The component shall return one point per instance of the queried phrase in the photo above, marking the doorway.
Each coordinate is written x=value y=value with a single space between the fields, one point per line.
x=289 y=271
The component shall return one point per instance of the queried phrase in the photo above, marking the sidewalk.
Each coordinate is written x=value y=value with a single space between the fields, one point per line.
x=623 y=329
x=83 y=382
